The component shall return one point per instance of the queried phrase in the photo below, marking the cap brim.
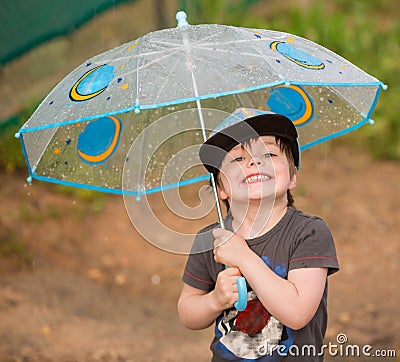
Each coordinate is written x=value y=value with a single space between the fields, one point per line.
x=213 y=151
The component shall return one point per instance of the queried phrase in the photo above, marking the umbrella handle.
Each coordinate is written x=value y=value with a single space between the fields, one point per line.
x=241 y=303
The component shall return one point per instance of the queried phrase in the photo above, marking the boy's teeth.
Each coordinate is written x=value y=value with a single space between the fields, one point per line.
x=257 y=178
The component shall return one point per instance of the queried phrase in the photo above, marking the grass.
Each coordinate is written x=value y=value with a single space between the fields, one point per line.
x=12 y=246
x=87 y=200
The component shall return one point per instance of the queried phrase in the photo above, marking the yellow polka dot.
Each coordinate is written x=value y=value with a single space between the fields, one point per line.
x=133 y=45
x=124 y=86
x=56 y=151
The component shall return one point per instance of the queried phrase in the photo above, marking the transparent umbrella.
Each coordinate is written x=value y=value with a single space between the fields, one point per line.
x=82 y=131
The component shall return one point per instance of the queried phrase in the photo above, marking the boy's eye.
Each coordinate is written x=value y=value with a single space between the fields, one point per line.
x=269 y=154
x=238 y=159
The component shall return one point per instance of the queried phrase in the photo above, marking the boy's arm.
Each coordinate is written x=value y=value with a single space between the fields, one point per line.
x=292 y=301
x=198 y=309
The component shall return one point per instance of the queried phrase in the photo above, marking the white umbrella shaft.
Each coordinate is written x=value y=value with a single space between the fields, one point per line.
x=191 y=67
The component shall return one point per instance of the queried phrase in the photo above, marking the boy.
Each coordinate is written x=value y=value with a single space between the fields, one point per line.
x=284 y=254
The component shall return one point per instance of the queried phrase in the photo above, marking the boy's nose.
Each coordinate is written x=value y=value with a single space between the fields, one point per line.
x=255 y=160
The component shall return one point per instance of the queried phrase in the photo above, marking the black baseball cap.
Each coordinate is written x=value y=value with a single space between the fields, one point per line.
x=242 y=125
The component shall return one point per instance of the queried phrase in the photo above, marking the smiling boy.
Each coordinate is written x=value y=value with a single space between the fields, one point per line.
x=284 y=254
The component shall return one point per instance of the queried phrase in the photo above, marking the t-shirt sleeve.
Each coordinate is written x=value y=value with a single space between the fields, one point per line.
x=314 y=248
x=198 y=268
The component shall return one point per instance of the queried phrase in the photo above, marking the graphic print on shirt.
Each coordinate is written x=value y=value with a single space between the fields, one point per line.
x=252 y=333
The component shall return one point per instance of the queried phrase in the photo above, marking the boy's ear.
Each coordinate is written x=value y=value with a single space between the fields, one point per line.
x=221 y=193
x=293 y=182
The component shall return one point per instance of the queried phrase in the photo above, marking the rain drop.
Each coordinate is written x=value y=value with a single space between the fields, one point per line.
x=155 y=279
x=120 y=279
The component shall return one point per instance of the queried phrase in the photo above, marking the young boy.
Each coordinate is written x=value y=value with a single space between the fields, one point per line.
x=284 y=255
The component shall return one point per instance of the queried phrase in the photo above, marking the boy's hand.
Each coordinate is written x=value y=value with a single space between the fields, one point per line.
x=226 y=290
x=229 y=248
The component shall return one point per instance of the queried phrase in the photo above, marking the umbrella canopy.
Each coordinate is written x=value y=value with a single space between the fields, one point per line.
x=81 y=133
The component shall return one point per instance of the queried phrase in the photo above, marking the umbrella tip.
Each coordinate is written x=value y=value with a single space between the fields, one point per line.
x=181 y=18
x=17 y=135
x=136 y=107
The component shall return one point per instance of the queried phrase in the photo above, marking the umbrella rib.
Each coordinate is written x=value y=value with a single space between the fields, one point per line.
x=171 y=70
x=221 y=50
x=234 y=42
x=141 y=55
x=53 y=132
x=166 y=51
x=145 y=65
x=346 y=99
x=175 y=46
x=200 y=44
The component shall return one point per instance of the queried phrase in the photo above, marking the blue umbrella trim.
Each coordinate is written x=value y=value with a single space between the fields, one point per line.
x=119 y=191
x=193 y=99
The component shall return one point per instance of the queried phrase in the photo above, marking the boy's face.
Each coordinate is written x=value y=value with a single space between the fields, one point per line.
x=259 y=170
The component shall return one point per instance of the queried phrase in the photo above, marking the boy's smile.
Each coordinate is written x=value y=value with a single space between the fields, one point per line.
x=257 y=177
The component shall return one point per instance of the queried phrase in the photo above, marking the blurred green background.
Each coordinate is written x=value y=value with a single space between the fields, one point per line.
x=366 y=32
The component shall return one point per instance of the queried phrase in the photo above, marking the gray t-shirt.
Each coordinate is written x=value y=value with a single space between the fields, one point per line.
x=296 y=241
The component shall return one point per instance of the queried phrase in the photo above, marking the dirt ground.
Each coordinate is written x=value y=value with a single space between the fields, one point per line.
x=77 y=282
